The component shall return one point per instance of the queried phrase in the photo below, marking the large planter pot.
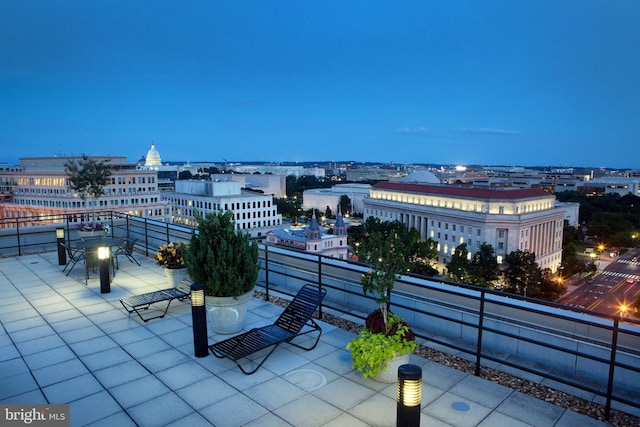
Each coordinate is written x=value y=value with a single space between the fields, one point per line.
x=175 y=275
x=90 y=234
x=390 y=375
x=227 y=314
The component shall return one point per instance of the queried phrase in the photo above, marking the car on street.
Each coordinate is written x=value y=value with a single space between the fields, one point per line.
x=630 y=281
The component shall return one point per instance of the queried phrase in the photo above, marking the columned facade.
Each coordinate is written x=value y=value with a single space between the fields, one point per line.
x=508 y=219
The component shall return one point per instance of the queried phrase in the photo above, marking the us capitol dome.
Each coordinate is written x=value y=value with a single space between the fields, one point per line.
x=153 y=157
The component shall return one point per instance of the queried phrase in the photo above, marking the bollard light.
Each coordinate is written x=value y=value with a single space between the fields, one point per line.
x=62 y=253
x=409 y=395
x=103 y=257
x=199 y=320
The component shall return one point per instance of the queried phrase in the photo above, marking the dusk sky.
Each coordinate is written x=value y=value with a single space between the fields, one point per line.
x=449 y=82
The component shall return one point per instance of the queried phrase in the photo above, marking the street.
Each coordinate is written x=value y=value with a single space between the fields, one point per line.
x=616 y=286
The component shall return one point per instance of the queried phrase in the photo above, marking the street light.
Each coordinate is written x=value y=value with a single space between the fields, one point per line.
x=623 y=310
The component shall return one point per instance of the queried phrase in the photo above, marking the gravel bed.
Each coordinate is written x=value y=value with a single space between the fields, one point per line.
x=539 y=391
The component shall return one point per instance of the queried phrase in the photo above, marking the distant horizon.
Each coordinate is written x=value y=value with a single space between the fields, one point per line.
x=312 y=162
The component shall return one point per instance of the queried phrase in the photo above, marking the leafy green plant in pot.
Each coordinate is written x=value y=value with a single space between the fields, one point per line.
x=226 y=261
x=385 y=336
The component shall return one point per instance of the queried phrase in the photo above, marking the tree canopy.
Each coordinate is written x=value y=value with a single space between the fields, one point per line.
x=88 y=177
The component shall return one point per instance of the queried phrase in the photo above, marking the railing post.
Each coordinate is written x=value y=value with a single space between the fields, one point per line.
x=480 y=328
x=146 y=235
x=612 y=367
x=110 y=221
x=18 y=236
x=68 y=233
x=266 y=271
x=320 y=282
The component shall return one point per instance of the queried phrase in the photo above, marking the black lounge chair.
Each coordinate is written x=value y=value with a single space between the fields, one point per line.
x=290 y=324
x=141 y=303
x=127 y=250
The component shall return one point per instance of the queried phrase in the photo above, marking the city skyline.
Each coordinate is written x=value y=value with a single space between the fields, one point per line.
x=490 y=83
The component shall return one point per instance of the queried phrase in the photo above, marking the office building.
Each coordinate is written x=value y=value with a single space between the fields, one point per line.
x=39 y=188
x=509 y=219
x=254 y=213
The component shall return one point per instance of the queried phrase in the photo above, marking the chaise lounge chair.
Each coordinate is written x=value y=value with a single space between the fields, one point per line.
x=141 y=303
x=290 y=324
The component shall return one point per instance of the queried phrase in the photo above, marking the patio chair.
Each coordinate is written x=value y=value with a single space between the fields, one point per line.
x=74 y=255
x=127 y=250
x=290 y=324
x=141 y=303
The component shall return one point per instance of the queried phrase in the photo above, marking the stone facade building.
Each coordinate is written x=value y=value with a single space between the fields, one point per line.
x=509 y=219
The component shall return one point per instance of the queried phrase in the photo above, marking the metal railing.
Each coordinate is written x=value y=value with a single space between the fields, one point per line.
x=578 y=348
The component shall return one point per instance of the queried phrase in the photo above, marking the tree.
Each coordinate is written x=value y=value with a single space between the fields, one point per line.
x=571 y=234
x=288 y=208
x=418 y=253
x=88 y=177
x=345 y=204
x=386 y=254
x=483 y=269
x=571 y=264
x=186 y=174
x=422 y=253
x=550 y=288
x=459 y=265
x=522 y=274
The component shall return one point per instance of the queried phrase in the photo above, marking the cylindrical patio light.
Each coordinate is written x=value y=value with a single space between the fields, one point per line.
x=409 y=395
x=199 y=320
x=105 y=280
x=62 y=254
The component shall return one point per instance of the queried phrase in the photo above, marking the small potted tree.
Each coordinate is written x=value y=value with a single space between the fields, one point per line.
x=88 y=177
x=386 y=341
x=226 y=261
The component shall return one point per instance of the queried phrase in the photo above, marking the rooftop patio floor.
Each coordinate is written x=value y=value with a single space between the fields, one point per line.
x=64 y=342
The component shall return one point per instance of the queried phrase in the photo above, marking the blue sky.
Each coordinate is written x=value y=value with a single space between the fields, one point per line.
x=455 y=82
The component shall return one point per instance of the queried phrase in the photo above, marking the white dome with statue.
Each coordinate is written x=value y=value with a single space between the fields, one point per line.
x=153 y=157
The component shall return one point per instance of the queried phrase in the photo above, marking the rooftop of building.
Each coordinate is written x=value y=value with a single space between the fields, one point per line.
x=501 y=193
x=64 y=342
